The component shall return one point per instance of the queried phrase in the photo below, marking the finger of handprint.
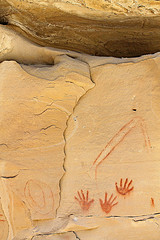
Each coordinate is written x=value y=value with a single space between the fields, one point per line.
x=113 y=199
x=117 y=188
x=87 y=195
x=110 y=197
x=77 y=199
x=82 y=195
x=125 y=182
x=79 y=195
x=105 y=199
x=121 y=182
x=129 y=184
x=114 y=204
x=129 y=190
x=101 y=202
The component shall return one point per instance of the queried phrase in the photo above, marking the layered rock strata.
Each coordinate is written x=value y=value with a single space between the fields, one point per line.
x=105 y=27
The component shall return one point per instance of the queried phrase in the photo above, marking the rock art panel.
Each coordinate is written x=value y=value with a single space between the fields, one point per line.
x=114 y=154
x=79 y=144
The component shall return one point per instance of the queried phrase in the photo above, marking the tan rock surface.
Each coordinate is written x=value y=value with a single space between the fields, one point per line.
x=119 y=28
x=73 y=133
x=112 y=161
x=36 y=102
x=65 y=236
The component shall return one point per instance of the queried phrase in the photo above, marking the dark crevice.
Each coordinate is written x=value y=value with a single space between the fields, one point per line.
x=4 y=144
x=3 y=21
x=146 y=216
x=9 y=176
x=144 y=219
x=76 y=235
x=52 y=125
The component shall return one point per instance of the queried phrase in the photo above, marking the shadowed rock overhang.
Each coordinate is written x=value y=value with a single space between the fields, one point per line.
x=101 y=28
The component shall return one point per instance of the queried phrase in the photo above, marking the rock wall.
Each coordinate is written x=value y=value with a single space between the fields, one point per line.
x=79 y=144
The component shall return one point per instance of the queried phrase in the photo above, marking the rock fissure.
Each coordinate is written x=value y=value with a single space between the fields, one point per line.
x=76 y=235
x=64 y=135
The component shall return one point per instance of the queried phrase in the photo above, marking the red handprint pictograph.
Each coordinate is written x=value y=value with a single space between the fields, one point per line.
x=84 y=200
x=108 y=205
x=123 y=190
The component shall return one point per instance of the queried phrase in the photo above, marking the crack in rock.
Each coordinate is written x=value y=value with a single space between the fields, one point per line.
x=65 y=140
x=76 y=235
x=8 y=177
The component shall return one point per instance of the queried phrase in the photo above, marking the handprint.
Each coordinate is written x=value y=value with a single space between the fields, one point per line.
x=108 y=205
x=123 y=190
x=83 y=201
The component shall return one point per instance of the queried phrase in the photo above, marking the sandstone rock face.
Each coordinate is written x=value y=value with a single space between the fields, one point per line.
x=114 y=154
x=36 y=101
x=33 y=122
x=79 y=144
x=119 y=28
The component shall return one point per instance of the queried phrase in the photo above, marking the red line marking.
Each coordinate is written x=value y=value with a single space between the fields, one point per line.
x=34 y=204
x=152 y=202
x=145 y=135
x=112 y=140
x=27 y=187
x=127 y=128
x=114 y=147
x=2 y=229
x=111 y=151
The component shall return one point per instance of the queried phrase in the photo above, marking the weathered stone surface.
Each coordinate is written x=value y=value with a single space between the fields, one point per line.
x=76 y=129
x=36 y=102
x=65 y=236
x=112 y=161
x=112 y=28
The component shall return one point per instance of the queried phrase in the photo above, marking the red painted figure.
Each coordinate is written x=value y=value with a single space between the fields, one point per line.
x=108 y=205
x=123 y=190
x=152 y=202
x=84 y=200
x=119 y=137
